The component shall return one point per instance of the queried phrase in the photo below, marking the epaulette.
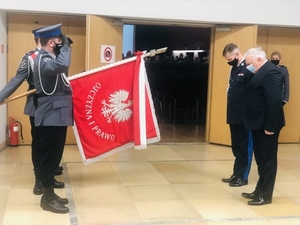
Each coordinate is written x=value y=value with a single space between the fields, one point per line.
x=282 y=66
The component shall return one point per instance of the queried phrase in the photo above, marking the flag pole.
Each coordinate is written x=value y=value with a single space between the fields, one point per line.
x=17 y=97
x=151 y=53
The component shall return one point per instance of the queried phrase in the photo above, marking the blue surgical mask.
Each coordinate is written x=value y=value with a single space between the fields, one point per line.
x=251 y=68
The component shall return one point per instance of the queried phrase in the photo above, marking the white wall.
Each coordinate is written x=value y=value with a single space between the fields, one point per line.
x=261 y=12
x=3 y=75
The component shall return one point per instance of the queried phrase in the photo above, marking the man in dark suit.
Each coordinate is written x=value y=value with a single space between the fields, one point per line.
x=241 y=142
x=263 y=115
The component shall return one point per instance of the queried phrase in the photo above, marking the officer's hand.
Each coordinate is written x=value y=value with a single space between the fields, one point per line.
x=66 y=41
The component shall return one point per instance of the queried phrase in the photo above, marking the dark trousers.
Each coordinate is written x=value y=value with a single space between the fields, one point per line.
x=241 y=144
x=265 y=152
x=52 y=144
x=35 y=148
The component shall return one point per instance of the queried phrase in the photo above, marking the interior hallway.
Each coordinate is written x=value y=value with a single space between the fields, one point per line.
x=164 y=184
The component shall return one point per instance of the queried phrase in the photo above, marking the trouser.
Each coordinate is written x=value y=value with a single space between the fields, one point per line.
x=35 y=148
x=52 y=144
x=265 y=152
x=241 y=144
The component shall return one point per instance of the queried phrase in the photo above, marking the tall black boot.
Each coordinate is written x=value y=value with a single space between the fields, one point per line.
x=49 y=201
x=37 y=189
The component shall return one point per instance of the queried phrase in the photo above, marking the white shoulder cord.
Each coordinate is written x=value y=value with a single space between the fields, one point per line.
x=65 y=79
x=30 y=66
x=39 y=69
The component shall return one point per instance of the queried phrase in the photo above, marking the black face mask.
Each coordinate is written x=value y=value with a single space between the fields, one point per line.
x=275 y=61
x=57 y=48
x=233 y=62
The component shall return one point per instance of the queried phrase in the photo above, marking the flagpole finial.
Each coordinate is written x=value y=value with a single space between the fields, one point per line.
x=154 y=52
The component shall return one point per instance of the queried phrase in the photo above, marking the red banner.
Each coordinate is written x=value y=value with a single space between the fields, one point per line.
x=113 y=110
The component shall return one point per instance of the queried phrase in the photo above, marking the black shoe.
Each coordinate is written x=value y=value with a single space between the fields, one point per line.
x=53 y=205
x=259 y=201
x=37 y=189
x=229 y=180
x=58 y=184
x=58 y=172
x=252 y=195
x=62 y=201
x=237 y=183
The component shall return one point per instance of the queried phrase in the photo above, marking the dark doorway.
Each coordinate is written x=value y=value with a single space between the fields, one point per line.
x=178 y=78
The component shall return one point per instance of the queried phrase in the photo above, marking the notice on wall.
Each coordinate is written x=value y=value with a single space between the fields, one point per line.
x=107 y=54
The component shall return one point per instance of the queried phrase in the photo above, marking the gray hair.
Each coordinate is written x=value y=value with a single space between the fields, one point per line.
x=256 y=53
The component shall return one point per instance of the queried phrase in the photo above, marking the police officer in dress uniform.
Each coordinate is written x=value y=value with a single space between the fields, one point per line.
x=54 y=109
x=241 y=141
x=275 y=59
x=25 y=72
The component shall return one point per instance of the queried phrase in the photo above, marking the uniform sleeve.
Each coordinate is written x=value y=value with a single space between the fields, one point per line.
x=286 y=85
x=60 y=64
x=16 y=81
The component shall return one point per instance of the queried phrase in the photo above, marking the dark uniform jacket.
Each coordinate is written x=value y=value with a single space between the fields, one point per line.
x=54 y=103
x=263 y=100
x=239 y=76
x=286 y=83
x=24 y=72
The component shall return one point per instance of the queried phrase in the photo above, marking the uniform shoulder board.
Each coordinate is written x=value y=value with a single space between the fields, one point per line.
x=30 y=52
x=282 y=66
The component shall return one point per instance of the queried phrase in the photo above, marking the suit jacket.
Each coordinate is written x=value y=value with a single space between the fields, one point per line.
x=239 y=76
x=263 y=100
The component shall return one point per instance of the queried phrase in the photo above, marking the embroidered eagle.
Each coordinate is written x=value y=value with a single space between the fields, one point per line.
x=117 y=106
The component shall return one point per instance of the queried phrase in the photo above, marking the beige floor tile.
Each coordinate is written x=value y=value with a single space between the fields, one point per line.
x=132 y=167
x=159 y=153
x=193 y=152
x=279 y=207
x=127 y=155
x=7 y=169
x=107 y=212
x=182 y=166
x=104 y=193
x=153 y=192
x=240 y=222
x=186 y=177
x=285 y=176
x=141 y=178
x=172 y=184
x=24 y=169
x=222 y=208
x=203 y=191
x=23 y=181
x=289 y=189
x=9 y=155
x=6 y=182
x=33 y=215
x=23 y=197
x=166 y=210
x=289 y=221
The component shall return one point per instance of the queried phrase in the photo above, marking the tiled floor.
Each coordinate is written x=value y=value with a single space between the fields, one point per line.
x=164 y=184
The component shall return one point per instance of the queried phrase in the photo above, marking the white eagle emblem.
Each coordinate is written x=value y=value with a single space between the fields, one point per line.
x=117 y=107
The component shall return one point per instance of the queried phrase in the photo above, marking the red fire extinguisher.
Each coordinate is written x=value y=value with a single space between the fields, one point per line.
x=13 y=132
